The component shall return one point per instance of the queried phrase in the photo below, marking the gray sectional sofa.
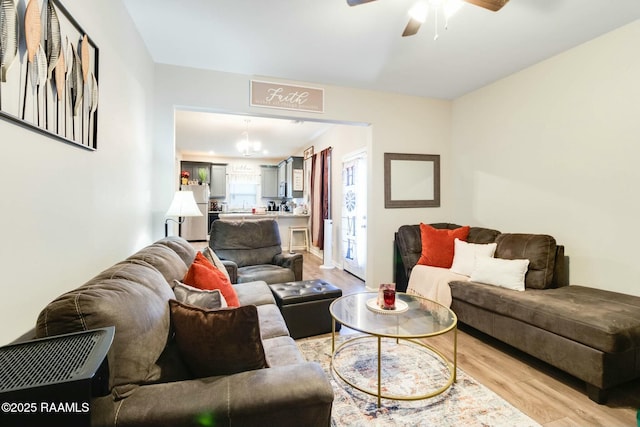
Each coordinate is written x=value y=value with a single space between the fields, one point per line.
x=149 y=382
x=590 y=333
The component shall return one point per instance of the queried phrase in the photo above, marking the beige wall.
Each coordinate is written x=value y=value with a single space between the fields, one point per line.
x=554 y=149
x=67 y=213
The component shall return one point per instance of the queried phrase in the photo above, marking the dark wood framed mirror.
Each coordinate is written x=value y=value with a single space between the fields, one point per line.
x=411 y=180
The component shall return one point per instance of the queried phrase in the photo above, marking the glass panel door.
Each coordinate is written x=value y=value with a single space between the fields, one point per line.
x=354 y=214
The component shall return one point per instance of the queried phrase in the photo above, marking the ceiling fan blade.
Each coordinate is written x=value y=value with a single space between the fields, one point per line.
x=357 y=2
x=493 y=5
x=412 y=27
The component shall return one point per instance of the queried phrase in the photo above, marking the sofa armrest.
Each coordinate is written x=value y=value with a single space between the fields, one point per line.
x=292 y=395
x=232 y=269
x=291 y=261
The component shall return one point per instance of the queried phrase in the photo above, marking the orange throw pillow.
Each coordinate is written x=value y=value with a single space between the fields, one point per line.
x=204 y=275
x=438 y=245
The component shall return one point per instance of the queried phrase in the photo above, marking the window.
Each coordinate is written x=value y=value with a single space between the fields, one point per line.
x=242 y=195
x=244 y=183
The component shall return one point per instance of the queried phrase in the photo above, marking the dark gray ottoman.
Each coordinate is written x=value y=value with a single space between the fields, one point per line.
x=305 y=306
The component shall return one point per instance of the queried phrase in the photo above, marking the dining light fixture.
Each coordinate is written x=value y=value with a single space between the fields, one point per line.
x=183 y=205
x=420 y=11
x=245 y=146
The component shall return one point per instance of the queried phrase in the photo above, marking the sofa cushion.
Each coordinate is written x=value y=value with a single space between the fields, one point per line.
x=266 y=272
x=272 y=323
x=205 y=298
x=604 y=320
x=204 y=275
x=506 y=273
x=218 y=342
x=132 y=296
x=539 y=249
x=254 y=293
x=294 y=395
x=165 y=260
x=282 y=351
x=482 y=235
x=437 y=245
x=181 y=247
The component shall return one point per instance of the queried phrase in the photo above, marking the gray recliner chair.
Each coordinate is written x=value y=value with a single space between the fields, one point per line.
x=251 y=250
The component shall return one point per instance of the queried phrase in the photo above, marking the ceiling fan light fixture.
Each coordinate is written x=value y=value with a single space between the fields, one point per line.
x=419 y=12
x=451 y=7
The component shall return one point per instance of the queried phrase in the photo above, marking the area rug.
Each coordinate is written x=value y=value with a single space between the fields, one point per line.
x=405 y=372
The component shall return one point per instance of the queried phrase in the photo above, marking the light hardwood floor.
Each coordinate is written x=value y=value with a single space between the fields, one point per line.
x=549 y=396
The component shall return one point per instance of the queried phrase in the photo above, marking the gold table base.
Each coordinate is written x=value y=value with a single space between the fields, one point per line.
x=452 y=366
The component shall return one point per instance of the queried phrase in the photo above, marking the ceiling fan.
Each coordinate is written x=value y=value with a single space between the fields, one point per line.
x=415 y=20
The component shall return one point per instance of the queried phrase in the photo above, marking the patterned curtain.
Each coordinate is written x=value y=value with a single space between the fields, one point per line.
x=320 y=195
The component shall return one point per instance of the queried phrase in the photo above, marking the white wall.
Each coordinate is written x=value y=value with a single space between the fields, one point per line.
x=399 y=123
x=554 y=149
x=67 y=213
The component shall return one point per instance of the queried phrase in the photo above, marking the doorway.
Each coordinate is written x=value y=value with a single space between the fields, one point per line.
x=354 y=214
x=202 y=135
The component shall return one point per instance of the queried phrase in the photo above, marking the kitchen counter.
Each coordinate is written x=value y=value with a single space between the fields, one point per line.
x=271 y=215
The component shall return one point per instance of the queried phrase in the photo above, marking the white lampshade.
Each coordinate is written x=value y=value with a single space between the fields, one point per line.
x=183 y=204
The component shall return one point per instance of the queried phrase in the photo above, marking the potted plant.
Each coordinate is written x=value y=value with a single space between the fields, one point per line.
x=184 y=177
x=202 y=176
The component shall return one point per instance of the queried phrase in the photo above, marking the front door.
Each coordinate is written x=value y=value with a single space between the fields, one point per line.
x=354 y=214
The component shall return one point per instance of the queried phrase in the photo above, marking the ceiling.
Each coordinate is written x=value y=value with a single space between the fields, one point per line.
x=328 y=42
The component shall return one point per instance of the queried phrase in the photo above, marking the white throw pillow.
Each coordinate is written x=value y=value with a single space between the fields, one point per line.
x=465 y=255
x=205 y=298
x=506 y=273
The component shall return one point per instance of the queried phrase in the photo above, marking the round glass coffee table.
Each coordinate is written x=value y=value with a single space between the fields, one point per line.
x=414 y=320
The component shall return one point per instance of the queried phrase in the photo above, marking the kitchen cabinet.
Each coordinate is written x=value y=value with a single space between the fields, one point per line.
x=270 y=182
x=291 y=178
x=193 y=168
x=218 y=184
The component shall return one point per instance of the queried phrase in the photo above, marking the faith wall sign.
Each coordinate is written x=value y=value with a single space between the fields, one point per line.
x=288 y=97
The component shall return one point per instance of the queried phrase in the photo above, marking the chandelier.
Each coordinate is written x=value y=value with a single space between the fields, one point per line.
x=245 y=146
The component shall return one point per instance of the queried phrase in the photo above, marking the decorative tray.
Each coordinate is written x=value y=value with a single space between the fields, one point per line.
x=401 y=307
